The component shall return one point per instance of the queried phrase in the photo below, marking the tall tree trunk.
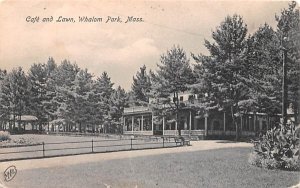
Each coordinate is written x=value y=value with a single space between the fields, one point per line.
x=296 y=114
x=19 y=123
x=10 y=125
x=176 y=102
x=298 y=104
x=235 y=124
x=14 y=122
x=40 y=126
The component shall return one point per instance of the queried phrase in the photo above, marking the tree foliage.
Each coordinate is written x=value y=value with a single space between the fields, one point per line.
x=141 y=86
x=173 y=76
x=14 y=94
x=288 y=30
x=224 y=73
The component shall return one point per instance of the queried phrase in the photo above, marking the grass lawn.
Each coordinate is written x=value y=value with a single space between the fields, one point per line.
x=56 y=145
x=227 y=167
x=36 y=138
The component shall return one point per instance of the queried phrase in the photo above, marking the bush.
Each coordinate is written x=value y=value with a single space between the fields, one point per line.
x=4 y=136
x=292 y=163
x=255 y=159
x=277 y=149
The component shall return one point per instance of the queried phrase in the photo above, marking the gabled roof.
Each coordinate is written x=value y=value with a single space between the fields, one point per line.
x=25 y=118
x=137 y=109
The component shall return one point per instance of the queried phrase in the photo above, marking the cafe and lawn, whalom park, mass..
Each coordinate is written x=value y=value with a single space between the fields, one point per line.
x=149 y=94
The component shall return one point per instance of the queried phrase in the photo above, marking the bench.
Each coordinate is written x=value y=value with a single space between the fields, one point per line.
x=178 y=141
x=186 y=142
x=182 y=141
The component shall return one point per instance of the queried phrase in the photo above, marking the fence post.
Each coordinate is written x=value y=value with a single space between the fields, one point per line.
x=43 y=149
x=130 y=143
x=163 y=141
x=92 y=146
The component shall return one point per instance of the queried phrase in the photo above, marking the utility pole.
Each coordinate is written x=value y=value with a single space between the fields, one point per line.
x=284 y=84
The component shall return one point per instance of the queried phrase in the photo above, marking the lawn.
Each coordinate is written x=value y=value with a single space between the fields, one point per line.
x=55 y=145
x=182 y=167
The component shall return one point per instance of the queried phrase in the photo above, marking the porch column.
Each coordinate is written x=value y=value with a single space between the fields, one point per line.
x=224 y=122
x=254 y=122
x=176 y=128
x=124 y=124
x=205 y=123
x=260 y=124
x=142 y=123
x=152 y=123
x=163 y=125
x=132 y=123
x=185 y=123
x=241 y=124
x=190 y=128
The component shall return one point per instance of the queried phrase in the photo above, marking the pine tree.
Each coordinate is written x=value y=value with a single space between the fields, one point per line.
x=141 y=86
x=49 y=103
x=224 y=73
x=80 y=103
x=38 y=77
x=15 y=95
x=104 y=88
x=62 y=79
x=288 y=29
x=4 y=115
x=173 y=76
x=118 y=102
x=266 y=69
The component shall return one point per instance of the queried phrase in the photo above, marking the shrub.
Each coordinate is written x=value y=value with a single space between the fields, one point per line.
x=255 y=159
x=4 y=136
x=277 y=149
x=292 y=163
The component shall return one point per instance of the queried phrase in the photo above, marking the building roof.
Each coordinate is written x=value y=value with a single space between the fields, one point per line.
x=137 y=109
x=25 y=118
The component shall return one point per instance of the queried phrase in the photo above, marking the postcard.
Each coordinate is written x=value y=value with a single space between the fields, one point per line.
x=144 y=94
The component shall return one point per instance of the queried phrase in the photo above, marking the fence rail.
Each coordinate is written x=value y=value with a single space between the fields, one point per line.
x=54 y=149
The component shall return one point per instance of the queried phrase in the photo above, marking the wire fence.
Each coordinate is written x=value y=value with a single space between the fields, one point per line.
x=54 y=149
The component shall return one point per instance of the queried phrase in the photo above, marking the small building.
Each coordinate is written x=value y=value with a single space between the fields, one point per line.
x=140 y=120
x=22 y=123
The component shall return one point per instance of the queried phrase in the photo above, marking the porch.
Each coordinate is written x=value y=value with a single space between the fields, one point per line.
x=142 y=121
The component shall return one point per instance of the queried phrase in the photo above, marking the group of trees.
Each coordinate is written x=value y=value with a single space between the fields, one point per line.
x=242 y=72
x=245 y=72
x=61 y=95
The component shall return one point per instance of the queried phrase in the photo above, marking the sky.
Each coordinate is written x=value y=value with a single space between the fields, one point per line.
x=120 y=49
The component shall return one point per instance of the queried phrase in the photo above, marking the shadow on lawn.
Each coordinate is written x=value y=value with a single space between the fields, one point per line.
x=226 y=141
x=246 y=140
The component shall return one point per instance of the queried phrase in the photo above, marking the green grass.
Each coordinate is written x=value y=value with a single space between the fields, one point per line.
x=212 y=168
x=76 y=145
